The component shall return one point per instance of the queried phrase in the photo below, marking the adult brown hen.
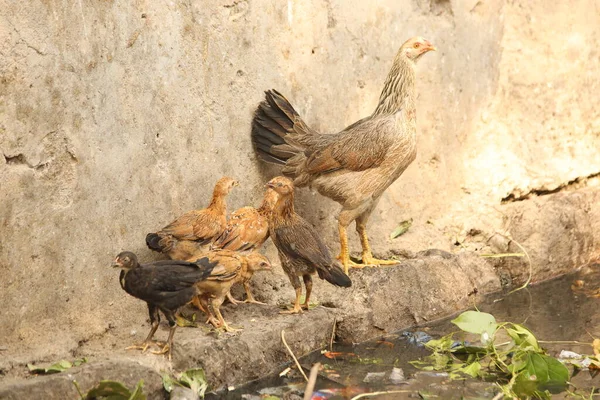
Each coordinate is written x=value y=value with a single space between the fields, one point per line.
x=301 y=250
x=355 y=166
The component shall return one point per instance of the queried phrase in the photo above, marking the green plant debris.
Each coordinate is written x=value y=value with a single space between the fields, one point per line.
x=521 y=368
x=194 y=378
x=184 y=321
x=112 y=390
x=60 y=366
x=401 y=229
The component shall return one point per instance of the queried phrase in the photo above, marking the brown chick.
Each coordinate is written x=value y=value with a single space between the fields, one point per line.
x=246 y=231
x=231 y=267
x=248 y=227
x=190 y=232
x=355 y=166
x=301 y=250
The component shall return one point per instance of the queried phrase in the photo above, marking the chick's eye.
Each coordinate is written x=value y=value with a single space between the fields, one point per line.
x=417 y=45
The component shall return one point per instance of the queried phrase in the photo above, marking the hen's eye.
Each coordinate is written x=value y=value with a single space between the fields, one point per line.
x=417 y=45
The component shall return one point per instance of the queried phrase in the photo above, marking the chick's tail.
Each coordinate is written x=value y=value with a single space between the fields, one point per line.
x=335 y=275
x=159 y=243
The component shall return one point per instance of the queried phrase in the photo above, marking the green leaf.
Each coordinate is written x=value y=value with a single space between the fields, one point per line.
x=138 y=394
x=401 y=229
x=184 y=322
x=472 y=369
x=442 y=344
x=169 y=383
x=476 y=322
x=60 y=366
x=523 y=337
x=112 y=390
x=271 y=397
x=540 y=372
x=195 y=379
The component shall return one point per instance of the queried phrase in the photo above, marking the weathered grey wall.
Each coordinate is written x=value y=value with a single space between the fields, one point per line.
x=117 y=116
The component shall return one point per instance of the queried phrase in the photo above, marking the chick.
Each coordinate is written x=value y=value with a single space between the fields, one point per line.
x=194 y=229
x=163 y=285
x=301 y=250
x=231 y=267
x=247 y=230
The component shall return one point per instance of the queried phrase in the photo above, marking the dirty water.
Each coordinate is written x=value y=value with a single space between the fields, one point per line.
x=564 y=309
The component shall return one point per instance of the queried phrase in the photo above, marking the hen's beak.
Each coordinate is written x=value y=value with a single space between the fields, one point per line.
x=116 y=264
x=270 y=185
x=430 y=47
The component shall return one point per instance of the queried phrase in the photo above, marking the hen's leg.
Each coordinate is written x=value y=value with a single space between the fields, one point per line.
x=154 y=320
x=308 y=285
x=367 y=255
x=344 y=256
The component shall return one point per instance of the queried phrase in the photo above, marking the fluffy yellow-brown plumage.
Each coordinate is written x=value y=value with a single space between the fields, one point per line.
x=231 y=267
x=195 y=229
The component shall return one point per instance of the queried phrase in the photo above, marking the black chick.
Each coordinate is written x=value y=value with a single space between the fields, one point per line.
x=301 y=249
x=163 y=285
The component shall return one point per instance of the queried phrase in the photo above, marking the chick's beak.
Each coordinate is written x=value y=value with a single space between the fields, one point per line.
x=270 y=185
x=430 y=47
x=116 y=263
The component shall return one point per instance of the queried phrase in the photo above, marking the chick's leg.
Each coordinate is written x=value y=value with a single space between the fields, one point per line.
x=367 y=255
x=216 y=304
x=154 y=320
x=202 y=303
x=167 y=348
x=249 y=297
x=308 y=285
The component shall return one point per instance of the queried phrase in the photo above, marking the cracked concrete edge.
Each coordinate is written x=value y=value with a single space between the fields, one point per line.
x=430 y=285
x=61 y=386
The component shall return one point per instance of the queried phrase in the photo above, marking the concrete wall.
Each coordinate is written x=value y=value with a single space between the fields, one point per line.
x=116 y=117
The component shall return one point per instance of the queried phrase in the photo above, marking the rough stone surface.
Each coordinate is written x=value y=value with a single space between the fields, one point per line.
x=116 y=117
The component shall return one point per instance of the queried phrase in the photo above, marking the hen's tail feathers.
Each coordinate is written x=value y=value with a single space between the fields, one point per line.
x=273 y=120
x=335 y=276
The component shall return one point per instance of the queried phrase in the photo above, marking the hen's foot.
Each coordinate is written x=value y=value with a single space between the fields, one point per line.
x=348 y=263
x=370 y=261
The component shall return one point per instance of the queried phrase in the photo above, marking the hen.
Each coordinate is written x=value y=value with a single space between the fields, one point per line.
x=231 y=268
x=301 y=250
x=355 y=166
x=194 y=229
x=163 y=285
